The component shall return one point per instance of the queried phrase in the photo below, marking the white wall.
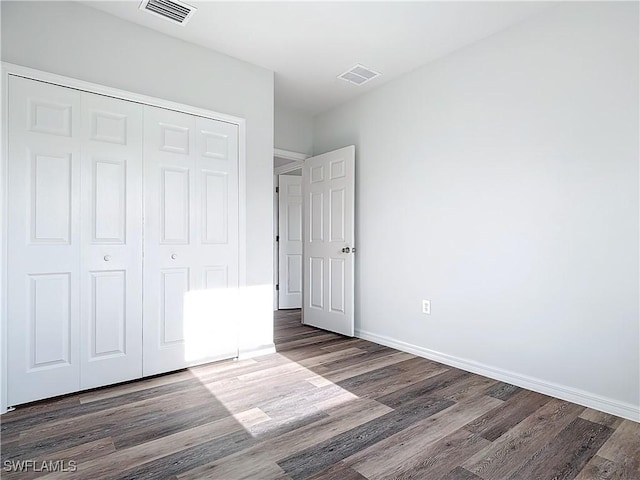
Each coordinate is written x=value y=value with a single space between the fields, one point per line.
x=501 y=183
x=74 y=40
x=293 y=130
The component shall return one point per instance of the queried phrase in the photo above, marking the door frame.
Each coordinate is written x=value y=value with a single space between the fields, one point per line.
x=297 y=161
x=8 y=69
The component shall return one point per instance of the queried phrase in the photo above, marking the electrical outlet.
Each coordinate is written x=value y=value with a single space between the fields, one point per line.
x=426 y=307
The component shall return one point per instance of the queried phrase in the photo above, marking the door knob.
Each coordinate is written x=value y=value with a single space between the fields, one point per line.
x=173 y=256
x=346 y=250
x=107 y=258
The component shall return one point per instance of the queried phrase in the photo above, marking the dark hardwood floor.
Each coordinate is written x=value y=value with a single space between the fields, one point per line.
x=323 y=407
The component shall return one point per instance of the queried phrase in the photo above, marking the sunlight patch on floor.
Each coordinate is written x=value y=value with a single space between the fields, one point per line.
x=234 y=391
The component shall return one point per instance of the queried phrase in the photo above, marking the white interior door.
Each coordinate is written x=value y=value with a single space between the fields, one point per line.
x=111 y=241
x=43 y=241
x=191 y=240
x=329 y=196
x=290 y=241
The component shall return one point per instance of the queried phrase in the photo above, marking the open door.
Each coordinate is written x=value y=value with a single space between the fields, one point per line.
x=329 y=242
x=290 y=242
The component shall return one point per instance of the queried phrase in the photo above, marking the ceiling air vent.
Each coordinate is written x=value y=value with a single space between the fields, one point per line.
x=172 y=10
x=358 y=75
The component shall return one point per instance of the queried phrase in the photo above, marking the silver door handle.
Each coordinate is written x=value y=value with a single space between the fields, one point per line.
x=107 y=258
x=346 y=250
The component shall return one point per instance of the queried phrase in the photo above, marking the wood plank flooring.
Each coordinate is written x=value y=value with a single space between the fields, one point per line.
x=324 y=407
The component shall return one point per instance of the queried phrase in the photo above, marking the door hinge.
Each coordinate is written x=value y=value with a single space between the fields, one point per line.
x=277 y=287
x=277 y=189
x=277 y=238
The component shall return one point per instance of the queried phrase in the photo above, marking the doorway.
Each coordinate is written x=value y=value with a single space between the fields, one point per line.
x=315 y=239
x=287 y=224
x=289 y=240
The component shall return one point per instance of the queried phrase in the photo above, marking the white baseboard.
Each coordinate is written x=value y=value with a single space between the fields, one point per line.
x=581 y=397
x=256 y=351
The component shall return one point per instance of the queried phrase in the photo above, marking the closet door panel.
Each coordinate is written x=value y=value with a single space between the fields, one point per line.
x=169 y=234
x=212 y=323
x=190 y=277
x=43 y=240
x=111 y=247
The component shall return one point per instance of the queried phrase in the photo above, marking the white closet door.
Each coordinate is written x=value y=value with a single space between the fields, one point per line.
x=191 y=240
x=43 y=241
x=111 y=243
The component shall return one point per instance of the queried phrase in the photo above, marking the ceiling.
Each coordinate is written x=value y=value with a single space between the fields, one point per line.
x=307 y=44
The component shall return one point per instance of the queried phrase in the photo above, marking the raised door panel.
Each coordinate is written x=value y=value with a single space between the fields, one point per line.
x=316 y=283
x=337 y=215
x=174 y=205
x=294 y=221
x=216 y=277
x=215 y=144
x=109 y=314
x=337 y=168
x=111 y=247
x=175 y=137
x=49 y=113
x=49 y=337
x=316 y=217
x=43 y=237
x=108 y=126
x=51 y=196
x=215 y=209
x=336 y=285
x=109 y=200
x=173 y=289
x=294 y=274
